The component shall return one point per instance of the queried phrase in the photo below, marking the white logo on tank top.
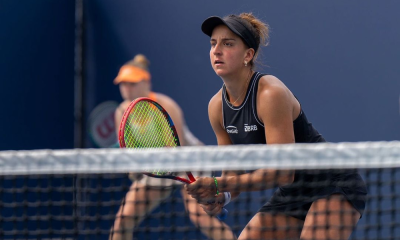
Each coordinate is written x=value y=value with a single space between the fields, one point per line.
x=250 y=128
x=232 y=129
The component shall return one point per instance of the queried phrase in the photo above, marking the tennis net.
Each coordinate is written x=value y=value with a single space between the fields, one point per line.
x=76 y=194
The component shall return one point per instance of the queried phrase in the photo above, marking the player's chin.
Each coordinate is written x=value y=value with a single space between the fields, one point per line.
x=220 y=71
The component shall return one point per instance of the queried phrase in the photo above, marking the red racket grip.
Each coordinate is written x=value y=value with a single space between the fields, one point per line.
x=190 y=176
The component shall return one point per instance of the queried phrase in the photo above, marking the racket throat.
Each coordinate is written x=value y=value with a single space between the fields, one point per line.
x=190 y=176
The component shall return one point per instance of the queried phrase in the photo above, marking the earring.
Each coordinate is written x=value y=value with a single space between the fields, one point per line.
x=245 y=63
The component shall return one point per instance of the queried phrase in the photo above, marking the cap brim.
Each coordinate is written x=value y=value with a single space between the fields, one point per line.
x=131 y=80
x=132 y=74
x=210 y=23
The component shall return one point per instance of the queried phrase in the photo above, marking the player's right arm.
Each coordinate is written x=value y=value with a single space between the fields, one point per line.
x=215 y=117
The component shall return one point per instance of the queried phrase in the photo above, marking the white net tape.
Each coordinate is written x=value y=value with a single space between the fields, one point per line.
x=288 y=156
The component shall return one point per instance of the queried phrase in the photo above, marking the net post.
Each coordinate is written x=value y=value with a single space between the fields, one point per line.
x=79 y=80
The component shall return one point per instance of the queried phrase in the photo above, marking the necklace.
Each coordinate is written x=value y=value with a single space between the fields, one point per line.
x=245 y=88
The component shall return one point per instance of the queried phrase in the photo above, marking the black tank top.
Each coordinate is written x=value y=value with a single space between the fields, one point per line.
x=244 y=127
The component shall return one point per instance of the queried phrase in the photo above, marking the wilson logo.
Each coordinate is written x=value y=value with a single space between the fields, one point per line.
x=232 y=130
x=250 y=128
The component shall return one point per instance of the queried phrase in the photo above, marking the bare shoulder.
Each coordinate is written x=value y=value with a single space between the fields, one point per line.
x=274 y=97
x=271 y=82
x=123 y=106
x=162 y=98
x=270 y=86
x=215 y=111
x=166 y=101
x=216 y=119
x=215 y=103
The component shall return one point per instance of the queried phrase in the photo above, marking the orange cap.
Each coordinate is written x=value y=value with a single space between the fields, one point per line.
x=129 y=73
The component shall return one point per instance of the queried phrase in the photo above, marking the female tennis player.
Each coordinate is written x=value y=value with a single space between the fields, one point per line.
x=256 y=108
x=147 y=193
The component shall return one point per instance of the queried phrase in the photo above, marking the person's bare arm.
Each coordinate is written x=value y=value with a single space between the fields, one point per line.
x=202 y=186
x=215 y=117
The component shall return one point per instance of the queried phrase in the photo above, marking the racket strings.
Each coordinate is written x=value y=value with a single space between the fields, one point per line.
x=147 y=127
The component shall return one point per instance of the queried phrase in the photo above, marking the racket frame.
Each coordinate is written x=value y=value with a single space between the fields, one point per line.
x=122 y=144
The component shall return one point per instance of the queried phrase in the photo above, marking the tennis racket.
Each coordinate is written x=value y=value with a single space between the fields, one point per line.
x=146 y=124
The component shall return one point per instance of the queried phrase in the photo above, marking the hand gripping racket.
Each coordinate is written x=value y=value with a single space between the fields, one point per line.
x=146 y=124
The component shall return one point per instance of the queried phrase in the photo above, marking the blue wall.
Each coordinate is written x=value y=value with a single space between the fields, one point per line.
x=36 y=101
x=340 y=58
x=36 y=74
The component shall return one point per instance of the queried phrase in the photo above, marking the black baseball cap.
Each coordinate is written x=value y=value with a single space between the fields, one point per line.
x=235 y=24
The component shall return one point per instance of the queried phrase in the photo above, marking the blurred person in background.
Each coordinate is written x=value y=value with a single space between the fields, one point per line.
x=146 y=193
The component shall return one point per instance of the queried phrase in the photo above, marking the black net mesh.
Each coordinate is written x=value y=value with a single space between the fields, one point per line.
x=90 y=205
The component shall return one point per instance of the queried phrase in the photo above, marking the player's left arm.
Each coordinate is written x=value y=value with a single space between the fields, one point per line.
x=275 y=105
x=276 y=109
